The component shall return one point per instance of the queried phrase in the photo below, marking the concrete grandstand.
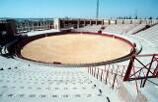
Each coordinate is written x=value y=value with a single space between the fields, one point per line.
x=133 y=79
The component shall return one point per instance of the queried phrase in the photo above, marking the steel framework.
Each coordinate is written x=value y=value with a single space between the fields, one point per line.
x=148 y=68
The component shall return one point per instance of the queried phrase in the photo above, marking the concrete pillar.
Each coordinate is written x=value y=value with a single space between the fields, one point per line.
x=84 y=22
x=90 y=22
x=57 y=24
x=78 y=23
x=102 y=22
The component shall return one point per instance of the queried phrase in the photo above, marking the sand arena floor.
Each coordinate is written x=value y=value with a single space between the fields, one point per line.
x=75 y=49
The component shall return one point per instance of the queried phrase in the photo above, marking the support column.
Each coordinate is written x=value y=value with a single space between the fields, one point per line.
x=78 y=23
x=57 y=24
x=128 y=71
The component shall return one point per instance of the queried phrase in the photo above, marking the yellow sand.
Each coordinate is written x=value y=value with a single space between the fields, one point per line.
x=75 y=49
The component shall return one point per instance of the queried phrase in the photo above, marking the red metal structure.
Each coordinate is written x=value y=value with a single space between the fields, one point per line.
x=142 y=67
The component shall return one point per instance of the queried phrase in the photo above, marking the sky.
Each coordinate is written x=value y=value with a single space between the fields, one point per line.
x=77 y=8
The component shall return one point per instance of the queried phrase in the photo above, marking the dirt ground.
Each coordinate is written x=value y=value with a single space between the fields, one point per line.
x=75 y=49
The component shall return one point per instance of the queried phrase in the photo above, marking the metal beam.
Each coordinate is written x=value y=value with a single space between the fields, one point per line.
x=130 y=66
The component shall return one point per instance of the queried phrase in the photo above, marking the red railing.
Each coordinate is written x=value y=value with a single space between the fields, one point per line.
x=139 y=68
x=148 y=68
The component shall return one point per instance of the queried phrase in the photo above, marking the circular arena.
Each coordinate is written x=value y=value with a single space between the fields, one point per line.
x=81 y=64
x=75 y=49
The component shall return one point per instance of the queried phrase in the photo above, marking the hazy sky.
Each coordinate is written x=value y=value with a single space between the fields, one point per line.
x=77 y=8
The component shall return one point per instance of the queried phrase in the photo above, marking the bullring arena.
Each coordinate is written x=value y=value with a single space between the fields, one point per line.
x=79 y=60
x=77 y=49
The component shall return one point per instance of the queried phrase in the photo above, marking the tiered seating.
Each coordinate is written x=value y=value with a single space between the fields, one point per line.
x=33 y=82
x=136 y=29
x=89 y=28
x=7 y=63
x=148 y=40
x=34 y=33
x=150 y=35
x=118 y=28
x=24 y=81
